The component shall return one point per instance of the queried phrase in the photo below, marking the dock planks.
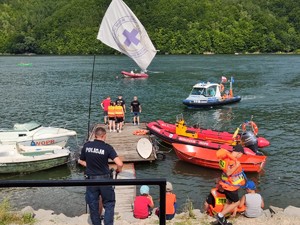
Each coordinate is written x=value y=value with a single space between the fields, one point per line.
x=125 y=142
x=125 y=194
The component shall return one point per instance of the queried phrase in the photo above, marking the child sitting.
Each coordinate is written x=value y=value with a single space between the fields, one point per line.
x=143 y=204
x=170 y=203
x=252 y=200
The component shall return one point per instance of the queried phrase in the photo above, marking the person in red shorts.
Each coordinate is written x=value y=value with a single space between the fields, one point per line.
x=143 y=204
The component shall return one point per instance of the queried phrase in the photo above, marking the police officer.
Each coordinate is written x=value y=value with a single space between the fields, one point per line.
x=94 y=156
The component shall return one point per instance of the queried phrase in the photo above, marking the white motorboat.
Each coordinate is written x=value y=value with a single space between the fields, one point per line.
x=24 y=159
x=33 y=133
x=206 y=94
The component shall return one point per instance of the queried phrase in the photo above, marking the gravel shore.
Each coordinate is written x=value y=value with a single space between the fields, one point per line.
x=272 y=215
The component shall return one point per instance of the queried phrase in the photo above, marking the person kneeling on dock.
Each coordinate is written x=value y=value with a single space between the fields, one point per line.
x=94 y=156
x=143 y=204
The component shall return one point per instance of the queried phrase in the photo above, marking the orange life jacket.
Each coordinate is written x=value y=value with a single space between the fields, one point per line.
x=111 y=111
x=236 y=179
x=119 y=111
x=220 y=200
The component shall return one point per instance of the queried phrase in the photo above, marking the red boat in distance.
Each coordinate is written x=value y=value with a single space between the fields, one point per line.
x=207 y=158
x=134 y=75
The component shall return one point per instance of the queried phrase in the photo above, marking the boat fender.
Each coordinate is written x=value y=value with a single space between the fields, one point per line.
x=253 y=126
x=221 y=87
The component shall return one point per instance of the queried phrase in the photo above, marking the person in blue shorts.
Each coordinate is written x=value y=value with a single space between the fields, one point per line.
x=136 y=109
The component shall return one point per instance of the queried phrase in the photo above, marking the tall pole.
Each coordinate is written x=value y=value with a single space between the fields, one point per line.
x=91 y=91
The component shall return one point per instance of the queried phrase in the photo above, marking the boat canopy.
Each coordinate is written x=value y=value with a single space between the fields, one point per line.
x=26 y=126
x=205 y=89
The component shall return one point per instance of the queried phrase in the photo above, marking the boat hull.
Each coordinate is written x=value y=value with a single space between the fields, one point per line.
x=207 y=158
x=171 y=137
x=211 y=135
x=211 y=103
x=35 y=134
x=32 y=166
x=26 y=159
x=134 y=75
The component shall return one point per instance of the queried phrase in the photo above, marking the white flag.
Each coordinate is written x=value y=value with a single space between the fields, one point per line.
x=121 y=30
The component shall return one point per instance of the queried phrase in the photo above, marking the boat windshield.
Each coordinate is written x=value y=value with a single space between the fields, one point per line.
x=27 y=126
x=198 y=91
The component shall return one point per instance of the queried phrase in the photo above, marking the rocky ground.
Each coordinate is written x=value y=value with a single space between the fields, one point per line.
x=271 y=216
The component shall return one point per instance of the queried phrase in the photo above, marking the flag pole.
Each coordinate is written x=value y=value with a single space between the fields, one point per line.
x=91 y=91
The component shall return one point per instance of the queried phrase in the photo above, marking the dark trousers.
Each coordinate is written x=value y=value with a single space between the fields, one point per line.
x=108 y=198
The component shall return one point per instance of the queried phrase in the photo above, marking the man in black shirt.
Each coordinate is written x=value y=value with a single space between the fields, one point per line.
x=136 y=109
x=94 y=156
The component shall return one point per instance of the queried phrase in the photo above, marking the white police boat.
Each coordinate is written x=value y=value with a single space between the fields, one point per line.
x=207 y=94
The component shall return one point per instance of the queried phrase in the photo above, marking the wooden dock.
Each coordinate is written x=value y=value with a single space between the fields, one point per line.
x=125 y=144
x=125 y=194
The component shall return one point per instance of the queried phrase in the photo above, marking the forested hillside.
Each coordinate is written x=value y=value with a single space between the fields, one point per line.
x=174 y=26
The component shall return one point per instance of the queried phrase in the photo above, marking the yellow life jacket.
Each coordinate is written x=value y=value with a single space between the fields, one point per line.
x=111 y=111
x=119 y=112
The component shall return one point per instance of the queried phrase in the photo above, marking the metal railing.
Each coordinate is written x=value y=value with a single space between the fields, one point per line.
x=72 y=183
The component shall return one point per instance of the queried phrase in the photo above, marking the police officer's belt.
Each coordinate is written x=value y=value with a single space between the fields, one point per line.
x=98 y=176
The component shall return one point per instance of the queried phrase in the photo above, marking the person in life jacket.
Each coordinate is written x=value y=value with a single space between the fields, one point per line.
x=232 y=179
x=119 y=112
x=216 y=200
x=111 y=117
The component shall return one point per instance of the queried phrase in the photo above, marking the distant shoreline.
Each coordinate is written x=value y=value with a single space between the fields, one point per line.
x=204 y=53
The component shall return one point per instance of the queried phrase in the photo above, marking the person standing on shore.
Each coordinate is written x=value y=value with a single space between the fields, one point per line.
x=136 y=109
x=94 y=156
x=122 y=103
x=119 y=112
x=232 y=179
x=111 y=117
x=104 y=105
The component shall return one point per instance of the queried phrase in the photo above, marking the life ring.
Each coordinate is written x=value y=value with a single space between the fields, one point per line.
x=221 y=87
x=140 y=132
x=253 y=126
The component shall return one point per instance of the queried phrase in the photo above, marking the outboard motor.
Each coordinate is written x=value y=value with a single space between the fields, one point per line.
x=250 y=141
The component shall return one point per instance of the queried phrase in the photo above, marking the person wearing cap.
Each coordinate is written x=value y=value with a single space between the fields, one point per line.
x=143 y=204
x=171 y=204
x=232 y=179
x=253 y=201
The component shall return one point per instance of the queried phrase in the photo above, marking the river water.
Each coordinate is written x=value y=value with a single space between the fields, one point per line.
x=56 y=90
